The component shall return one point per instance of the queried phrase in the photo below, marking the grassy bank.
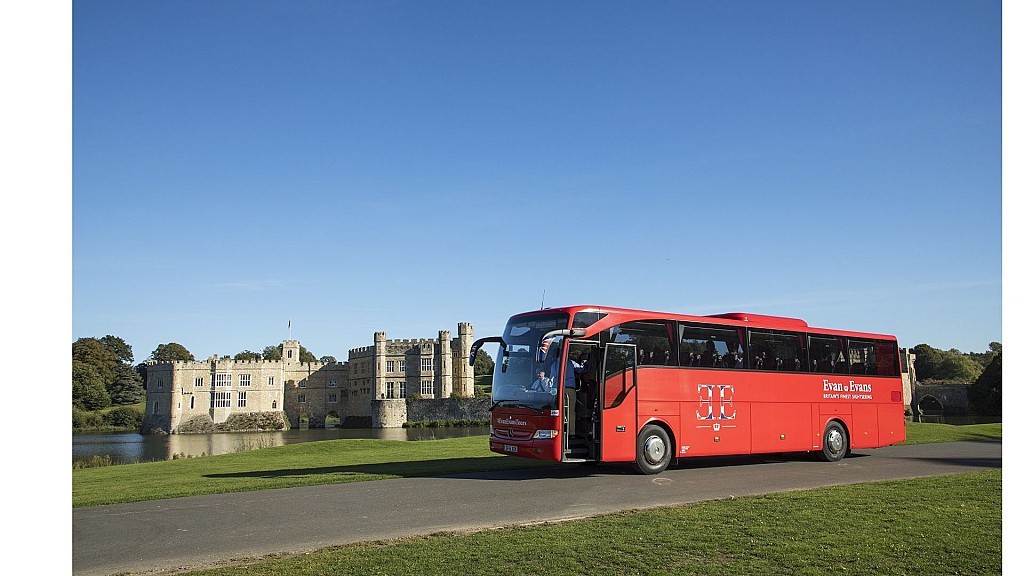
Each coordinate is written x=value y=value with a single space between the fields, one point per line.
x=953 y=527
x=339 y=461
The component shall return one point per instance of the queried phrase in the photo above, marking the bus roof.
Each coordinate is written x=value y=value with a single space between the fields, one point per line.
x=729 y=319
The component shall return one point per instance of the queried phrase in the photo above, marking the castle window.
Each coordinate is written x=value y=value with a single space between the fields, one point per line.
x=159 y=383
x=332 y=384
x=289 y=353
x=426 y=364
x=241 y=399
x=401 y=365
x=302 y=398
x=390 y=389
x=221 y=380
x=192 y=403
x=401 y=389
x=270 y=381
x=156 y=406
x=222 y=400
x=273 y=405
x=426 y=387
x=391 y=365
x=302 y=383
x=198 y=383
x=332 y=398
x=244 y=379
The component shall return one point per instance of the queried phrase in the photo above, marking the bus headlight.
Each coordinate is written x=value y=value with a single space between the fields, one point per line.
x=545 y=434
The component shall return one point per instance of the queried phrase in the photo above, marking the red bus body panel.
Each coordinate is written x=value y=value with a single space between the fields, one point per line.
x=714 y=411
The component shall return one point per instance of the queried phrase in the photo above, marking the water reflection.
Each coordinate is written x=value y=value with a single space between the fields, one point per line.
x=130 y=447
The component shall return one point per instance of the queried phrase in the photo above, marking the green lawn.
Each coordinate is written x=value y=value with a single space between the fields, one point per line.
x=338 y=461
x=952 y=527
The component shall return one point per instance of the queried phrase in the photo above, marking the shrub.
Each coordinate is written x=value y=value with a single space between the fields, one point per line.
x=123 y=417
x=85 y=419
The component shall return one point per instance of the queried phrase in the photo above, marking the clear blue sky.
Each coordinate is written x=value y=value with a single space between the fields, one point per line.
x=404 y=166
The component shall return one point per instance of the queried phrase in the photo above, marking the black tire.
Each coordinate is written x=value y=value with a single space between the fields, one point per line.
x=653 y=450
x=835 y=443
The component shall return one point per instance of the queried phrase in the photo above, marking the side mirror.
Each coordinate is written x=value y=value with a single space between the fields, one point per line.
x=476 y=346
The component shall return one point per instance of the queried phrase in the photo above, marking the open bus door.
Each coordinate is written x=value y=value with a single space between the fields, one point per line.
x=618 y=404
x=579 y=405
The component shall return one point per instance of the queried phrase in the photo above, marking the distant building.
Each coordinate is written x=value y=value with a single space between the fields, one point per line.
x=314 y=393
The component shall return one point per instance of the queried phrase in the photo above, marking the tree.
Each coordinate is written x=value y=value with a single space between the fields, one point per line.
x=119 y=347
x=305 y=356
x=927 y=362
x=959 y=368
x=92 y=352
x=171 y=352
x=483 y=363
x=248 y=355
x=985 y=396
x=88 y=391
x=127 y=386
x=277 y=352
x=328 y=360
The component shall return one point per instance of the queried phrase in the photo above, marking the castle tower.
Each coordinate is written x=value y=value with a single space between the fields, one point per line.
x=290 y=351
x=444 y=363
x=463 y=371
x=380 y=351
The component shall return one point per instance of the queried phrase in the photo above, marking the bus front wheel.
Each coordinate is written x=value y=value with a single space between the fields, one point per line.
x=835 y=443
x=653 y=450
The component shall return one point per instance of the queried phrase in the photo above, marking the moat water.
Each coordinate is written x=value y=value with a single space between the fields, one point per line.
x=130 y=447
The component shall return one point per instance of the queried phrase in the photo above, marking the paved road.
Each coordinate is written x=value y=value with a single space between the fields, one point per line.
x=203 y=530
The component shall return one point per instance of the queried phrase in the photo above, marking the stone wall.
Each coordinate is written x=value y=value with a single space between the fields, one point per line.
x=449 y=409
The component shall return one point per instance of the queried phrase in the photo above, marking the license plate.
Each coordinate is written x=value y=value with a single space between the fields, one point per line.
x=510 y=448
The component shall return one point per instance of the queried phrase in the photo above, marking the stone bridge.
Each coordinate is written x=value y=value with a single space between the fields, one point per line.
x=936 y=399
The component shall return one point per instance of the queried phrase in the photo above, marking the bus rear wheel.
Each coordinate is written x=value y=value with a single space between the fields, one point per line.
x=653 y=450
x=835 y=443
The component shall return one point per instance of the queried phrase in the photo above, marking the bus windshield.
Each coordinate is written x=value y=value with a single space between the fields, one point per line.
x=517 y=368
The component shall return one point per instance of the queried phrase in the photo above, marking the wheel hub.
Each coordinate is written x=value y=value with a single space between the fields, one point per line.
x=654 y=449
x=835 y=441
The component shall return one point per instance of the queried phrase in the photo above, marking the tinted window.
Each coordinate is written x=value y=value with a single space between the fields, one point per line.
x=825 y=352
x=872 y=358
x=771 y=350
x=710 y=347
x=653 y=339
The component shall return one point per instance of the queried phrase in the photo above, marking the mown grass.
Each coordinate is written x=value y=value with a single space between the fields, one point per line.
x=942 y=525
x=305 y=464
x=340 y=461
x=926 y=433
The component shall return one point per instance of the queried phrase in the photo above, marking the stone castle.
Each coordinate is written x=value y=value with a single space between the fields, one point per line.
x=371 y=387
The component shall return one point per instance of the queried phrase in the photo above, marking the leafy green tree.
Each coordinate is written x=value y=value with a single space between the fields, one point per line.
x=273 y=352
x=127 y=386
x=248 y=355
x=171 y=352
x=959 y=368
x=985 y=396
x=483 y=364
x=92 y=352
x=305 y=356
x=328 y=360
x=88 y=391
x=119 y=347
x=927 y=362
